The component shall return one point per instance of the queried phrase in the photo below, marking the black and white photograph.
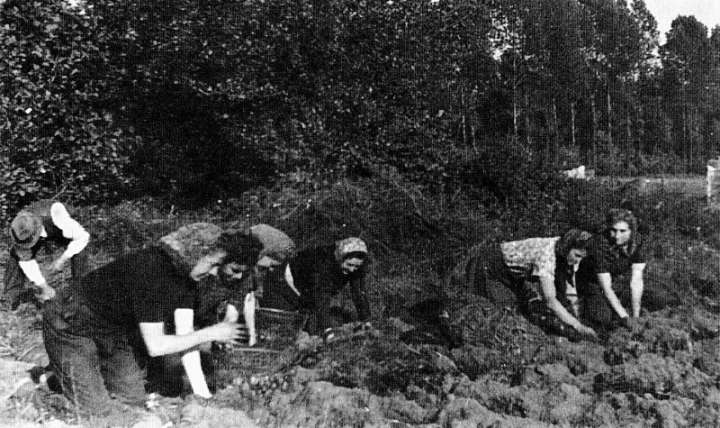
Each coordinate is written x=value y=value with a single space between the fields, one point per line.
x=359 y=213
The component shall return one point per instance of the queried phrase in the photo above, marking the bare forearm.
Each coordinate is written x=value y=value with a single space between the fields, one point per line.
x=636 y=288
x=193 y=369
x=31 y=269
x=562 y=313
x=171 y=344
x=78 y=244
x=606 y=285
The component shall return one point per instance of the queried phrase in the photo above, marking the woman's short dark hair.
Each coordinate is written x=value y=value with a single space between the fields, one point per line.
x=617 y=215
x=572 y=239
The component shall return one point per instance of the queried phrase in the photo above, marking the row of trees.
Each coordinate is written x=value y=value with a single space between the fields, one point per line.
x=212 y=97
x=590 y=74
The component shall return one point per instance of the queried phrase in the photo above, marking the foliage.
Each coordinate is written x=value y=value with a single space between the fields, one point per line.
x=202 y=101
x=56 y=138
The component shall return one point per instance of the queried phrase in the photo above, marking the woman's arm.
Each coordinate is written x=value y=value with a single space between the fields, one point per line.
x=359 y=297
x=158 y=343
x=605 y=280
x=184 y=324
x=321 y=297
x=550 y=296
x=637 y=285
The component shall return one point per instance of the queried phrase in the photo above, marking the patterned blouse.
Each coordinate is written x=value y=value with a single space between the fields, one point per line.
x=530 y=257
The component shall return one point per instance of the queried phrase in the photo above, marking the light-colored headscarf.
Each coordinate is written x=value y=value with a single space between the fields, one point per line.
x=348 y=246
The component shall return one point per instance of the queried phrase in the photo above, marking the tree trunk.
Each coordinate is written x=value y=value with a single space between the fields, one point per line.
x=516 y=111
x=572 y=124
x=609 y=119
x=555 y=134
x=528 y=140
x=629 y=146
x=640 y=132
x=686 y=154
x=593 y=133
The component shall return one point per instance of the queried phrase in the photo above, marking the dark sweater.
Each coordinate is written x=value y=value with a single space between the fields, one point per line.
x=318 y=277
x=143 y=286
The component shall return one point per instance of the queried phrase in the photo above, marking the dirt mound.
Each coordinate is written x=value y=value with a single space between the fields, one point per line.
x=655 y=375
x=464 y=412
x=195 y=415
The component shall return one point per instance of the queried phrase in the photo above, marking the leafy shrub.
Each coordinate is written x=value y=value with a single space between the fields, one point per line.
x=56 y=138
x=329 y=87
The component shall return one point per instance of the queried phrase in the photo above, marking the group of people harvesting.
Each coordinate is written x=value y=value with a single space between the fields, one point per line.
x=101 y=330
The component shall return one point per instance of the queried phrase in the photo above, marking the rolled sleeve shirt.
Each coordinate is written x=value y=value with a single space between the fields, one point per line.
x=71 y=230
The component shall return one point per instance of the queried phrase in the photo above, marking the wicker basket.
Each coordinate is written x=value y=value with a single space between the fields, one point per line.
x=277 y=331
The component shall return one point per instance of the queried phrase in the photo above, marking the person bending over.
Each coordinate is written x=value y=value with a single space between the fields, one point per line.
x=538 y=274
x=34 y=227
x=312 y=278
x=100 y=334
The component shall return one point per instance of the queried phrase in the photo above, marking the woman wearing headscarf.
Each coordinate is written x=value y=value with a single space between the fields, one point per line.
x=537 y=272
x=315 y=276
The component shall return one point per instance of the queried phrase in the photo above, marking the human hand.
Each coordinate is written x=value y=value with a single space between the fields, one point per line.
x=630 y=323
x=58 y=264
x=227 y=332
x=45 y=293
x=328 y=335
x=231 y=313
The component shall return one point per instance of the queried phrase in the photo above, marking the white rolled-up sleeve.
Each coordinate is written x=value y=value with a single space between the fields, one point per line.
x=71 y=229
x=31 y=269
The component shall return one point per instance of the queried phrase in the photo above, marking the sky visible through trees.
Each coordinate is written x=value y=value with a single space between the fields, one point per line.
x=110 y=97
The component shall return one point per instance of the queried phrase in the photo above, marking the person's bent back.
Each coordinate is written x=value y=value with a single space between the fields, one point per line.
x=100 y=334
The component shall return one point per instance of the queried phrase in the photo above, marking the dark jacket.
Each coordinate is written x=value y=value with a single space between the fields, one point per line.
x=318 y=278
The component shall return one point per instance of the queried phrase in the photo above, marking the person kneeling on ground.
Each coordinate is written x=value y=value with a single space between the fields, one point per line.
x=34 y=227
x=603 y=276
x=100 y=334
x=538 y=273
x=274 y=249
x=314 y=276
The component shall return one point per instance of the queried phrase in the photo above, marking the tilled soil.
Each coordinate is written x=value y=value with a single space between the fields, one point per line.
x=508 y=373
x=664 y=373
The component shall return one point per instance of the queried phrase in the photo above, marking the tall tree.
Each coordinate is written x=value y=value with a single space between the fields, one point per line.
x=686 y=63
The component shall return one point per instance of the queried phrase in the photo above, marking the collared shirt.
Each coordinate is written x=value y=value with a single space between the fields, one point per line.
x=71 y=230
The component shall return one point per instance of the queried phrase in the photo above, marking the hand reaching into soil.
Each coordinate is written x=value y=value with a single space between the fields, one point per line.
x=630 y=323
x=45 y=292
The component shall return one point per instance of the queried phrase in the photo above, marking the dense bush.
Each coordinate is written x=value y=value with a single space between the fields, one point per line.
x=56 y=136
x=329 y=87
x=204 y=100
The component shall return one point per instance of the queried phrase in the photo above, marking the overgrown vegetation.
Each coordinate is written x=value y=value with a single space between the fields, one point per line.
x=199 y=101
